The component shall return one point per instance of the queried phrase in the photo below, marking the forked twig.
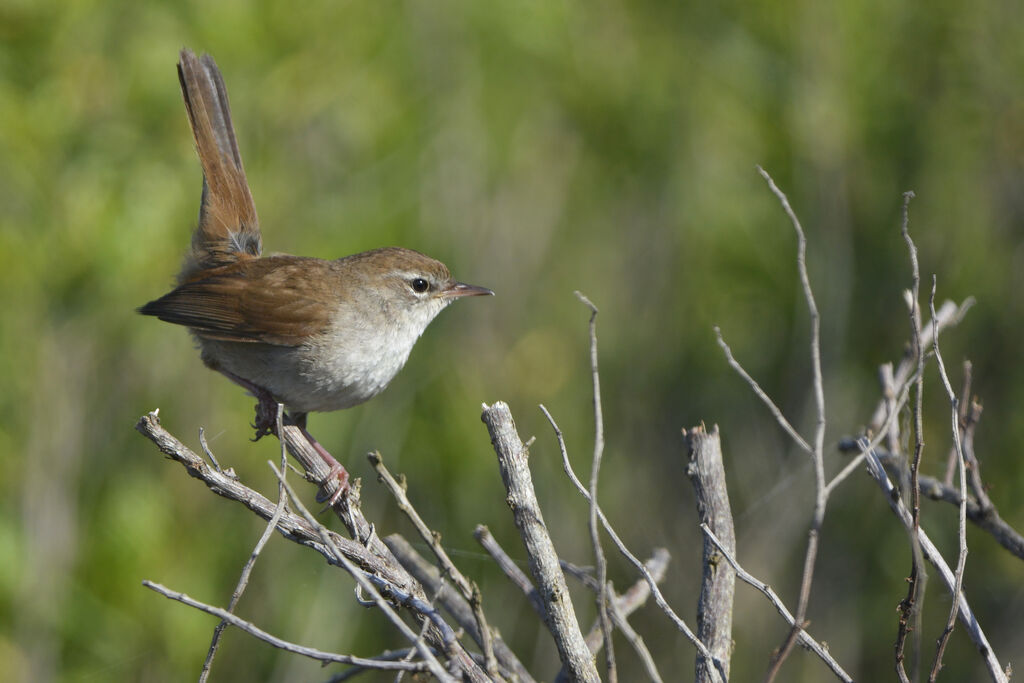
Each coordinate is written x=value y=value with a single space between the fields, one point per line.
x=659 y=598
x=817 y=451
x=805 y=638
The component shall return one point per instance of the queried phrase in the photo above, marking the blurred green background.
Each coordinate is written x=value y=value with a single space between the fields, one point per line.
x=537 y=148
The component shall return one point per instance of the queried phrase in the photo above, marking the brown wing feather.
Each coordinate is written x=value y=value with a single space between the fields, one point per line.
x=228 y=228
x=282 y=300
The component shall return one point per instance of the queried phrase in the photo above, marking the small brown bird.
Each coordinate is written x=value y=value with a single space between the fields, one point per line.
x=315 y=335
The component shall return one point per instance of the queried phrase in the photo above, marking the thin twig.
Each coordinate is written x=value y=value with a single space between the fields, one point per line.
x=595 y=469
x=370 y=554
x=762 y=394
x=206 y=449
x=935 y=489
x=243 y=579
x=964 y=420
x=817 y=453
x=949 y=314
x=468 y=588
x=659 y=598
x=509 y=568
x=634 y=639
x=291 y=526
x=368 y=586
x=931 y=553
x=453 y=602
x=312 y=653
x=896 y=392
x=805 y=639
x=624 y=605
x=401 y=655
x=348 y=510
x=886 y=433
x=962 y=531
x=910 y=607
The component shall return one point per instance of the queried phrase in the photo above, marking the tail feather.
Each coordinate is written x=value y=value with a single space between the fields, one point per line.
x=228 y=228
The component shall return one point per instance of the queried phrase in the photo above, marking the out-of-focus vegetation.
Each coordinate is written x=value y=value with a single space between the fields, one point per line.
x=537 y=148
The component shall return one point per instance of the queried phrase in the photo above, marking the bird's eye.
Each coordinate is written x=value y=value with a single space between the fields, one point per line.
x=419 y=285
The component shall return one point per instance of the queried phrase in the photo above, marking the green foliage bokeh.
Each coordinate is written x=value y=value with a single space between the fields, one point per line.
x=537 y=148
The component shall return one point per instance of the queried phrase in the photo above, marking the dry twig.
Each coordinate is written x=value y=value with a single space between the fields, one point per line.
x=385 y=664
x=243 y=579
x=547 y=573
x=931 y=553
x=910 y=610
x=714 y=608
x=659 y=598
x=805 y=638
x=454 y=603
x=962 y=528
x=370 y=555
x=817 y=451
x=595 y=469
x=470 y=591
x=365 y=582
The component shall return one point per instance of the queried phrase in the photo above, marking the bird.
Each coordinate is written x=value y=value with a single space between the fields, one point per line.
x=316 y=335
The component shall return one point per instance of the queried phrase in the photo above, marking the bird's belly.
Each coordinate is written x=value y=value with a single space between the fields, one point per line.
x=312 y=377
x=341 y=378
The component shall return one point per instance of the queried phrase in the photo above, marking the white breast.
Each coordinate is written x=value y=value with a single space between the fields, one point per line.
x=360 y=355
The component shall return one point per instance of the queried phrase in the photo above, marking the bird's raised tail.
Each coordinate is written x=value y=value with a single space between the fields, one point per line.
x=228 y=229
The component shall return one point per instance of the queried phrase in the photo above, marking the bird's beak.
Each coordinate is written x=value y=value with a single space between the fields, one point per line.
x=460 y=289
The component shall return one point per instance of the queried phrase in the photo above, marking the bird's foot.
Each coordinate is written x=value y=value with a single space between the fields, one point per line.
x=338 y=471
x=266 y=416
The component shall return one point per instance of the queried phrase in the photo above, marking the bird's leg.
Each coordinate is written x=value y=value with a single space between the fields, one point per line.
x=266 y=423
x=337 y=469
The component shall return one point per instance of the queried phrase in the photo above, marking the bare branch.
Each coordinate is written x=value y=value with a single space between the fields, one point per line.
x=540 y=551
x=805 y=638
x=817 y=453
x=243 y=579
x=762 y=394
x=896 y=392
x=714 y=608
x=659 y=598
x=290 y=525
x=373 y=558
x=949 y=314
x=931 y=553
x=962 y=531
x=301 y=446
x=511 y=570
x=469 y=589
x=385 y=664
x=910 y=606
x=622 y=606
x=453 y=603
x=366 y=584
x=934 y=489
x=595 y=536
x=964 y=420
